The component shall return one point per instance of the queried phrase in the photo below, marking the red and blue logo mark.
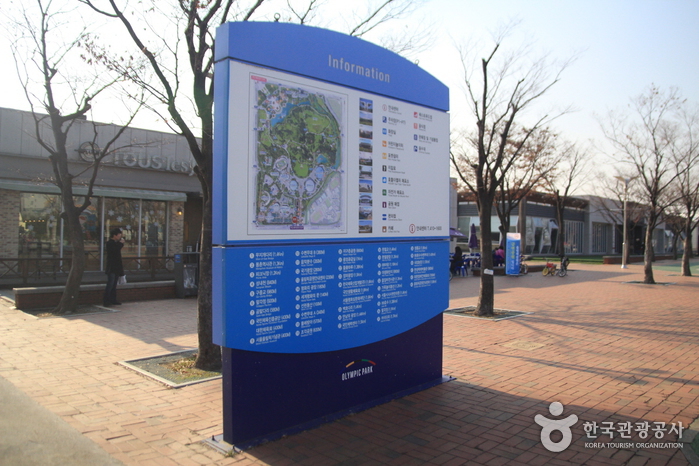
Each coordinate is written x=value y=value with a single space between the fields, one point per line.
x=360 y=368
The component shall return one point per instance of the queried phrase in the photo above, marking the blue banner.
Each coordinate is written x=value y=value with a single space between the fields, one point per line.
x=512 y=254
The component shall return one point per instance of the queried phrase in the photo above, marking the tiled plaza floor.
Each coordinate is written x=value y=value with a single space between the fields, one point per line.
x=611 y=352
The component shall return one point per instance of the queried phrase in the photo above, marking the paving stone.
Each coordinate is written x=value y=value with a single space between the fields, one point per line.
x=607 y=350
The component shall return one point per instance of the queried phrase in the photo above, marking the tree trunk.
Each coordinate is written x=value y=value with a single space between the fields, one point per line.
x=675 y=240
x=560 y=238
x=209 y=355
x=686 y=270
x=648 y=255
x=504 y=228
x=628 y=245
x=71 y=293
x=486 y=298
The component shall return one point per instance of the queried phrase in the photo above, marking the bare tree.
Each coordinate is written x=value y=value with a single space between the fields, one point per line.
x=562 y=182
x=538 y=160
x=499 y=93
x=195 y=22
x=643 y=140
x=611 y=205
x=686 y=155
x=66 y=98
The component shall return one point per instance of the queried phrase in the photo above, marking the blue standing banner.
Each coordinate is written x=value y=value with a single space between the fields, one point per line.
x=330 y=226
x=513 y=255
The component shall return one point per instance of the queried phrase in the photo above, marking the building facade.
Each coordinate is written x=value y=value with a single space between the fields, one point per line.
x=591 y=225
x=146 y=187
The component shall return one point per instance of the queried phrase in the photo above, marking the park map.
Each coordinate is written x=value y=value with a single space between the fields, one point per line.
x=299 y=162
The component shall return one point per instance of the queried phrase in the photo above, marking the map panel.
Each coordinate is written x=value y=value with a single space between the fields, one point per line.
x=298 y=158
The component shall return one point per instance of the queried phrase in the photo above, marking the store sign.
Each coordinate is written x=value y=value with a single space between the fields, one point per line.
x=88 y=151
x=331 y=220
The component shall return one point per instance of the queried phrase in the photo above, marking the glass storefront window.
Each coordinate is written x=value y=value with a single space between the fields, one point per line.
x=124 y=214
x=143 y=223
x=90 y=223
x=153 y=221
x=540 y=235
x=600 y=237
x=574 y=237
x=39 y=225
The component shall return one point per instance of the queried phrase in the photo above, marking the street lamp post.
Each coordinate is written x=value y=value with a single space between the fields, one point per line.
x=626 y=198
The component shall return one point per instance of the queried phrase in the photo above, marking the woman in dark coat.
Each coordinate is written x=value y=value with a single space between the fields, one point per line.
x=457 y=260
x=114 y=268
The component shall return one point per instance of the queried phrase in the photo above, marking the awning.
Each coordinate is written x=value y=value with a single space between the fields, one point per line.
x=98 y=191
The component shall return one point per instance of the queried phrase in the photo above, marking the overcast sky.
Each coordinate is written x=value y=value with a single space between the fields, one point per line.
x=622 y=45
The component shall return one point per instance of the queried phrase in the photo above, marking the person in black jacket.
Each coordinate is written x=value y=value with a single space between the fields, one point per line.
x=114 y=268
x=457 y=260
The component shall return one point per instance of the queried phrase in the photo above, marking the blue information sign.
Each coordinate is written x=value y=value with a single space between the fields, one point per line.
x=326 y=297
x=330 y=225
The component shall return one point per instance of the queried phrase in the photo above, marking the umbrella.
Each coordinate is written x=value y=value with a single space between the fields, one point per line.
x=455 y=232
x=473 y=239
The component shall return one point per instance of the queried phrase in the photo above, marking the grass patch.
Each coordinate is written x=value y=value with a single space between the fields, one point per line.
x=573 y=259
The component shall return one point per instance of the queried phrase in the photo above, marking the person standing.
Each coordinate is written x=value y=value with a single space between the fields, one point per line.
x=114 y=268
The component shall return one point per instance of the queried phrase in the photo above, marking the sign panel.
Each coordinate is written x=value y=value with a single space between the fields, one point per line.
x=513 y=254
x=326 y=297
x=328 y=162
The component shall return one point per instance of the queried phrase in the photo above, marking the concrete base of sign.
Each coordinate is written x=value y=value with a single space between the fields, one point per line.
x=269 y=395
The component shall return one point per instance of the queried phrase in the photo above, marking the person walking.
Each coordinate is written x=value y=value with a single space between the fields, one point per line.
x=114 y=268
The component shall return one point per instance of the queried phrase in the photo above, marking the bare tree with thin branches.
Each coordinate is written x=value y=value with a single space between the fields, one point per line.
x=686 y=155
x=561 y=183
x=643 y=141
x=500 y=89
x=66 y=98
x=194 y=30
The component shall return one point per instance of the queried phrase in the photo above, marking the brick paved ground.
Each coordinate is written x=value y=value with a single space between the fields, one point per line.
x=607 y=350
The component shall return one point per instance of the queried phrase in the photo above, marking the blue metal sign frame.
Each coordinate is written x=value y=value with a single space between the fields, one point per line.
x=345 y=312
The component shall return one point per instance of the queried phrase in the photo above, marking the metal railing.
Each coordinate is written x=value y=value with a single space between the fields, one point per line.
x=26 y=270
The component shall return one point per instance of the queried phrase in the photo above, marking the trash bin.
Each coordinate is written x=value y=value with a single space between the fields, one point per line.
x=186 y=274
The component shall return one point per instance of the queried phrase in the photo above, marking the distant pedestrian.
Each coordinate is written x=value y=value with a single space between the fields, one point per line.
x=499 y=257
x=457 y=260
x=114 y=268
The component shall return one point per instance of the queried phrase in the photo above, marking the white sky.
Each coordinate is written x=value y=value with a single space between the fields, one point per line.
x=623 y=47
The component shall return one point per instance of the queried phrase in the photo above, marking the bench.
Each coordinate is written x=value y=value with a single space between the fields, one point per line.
x=49 y=296
x=501 y=270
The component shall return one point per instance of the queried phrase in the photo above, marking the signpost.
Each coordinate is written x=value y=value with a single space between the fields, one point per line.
x=330 y=226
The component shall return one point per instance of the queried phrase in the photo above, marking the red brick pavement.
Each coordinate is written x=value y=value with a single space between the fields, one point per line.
x=607 y=350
